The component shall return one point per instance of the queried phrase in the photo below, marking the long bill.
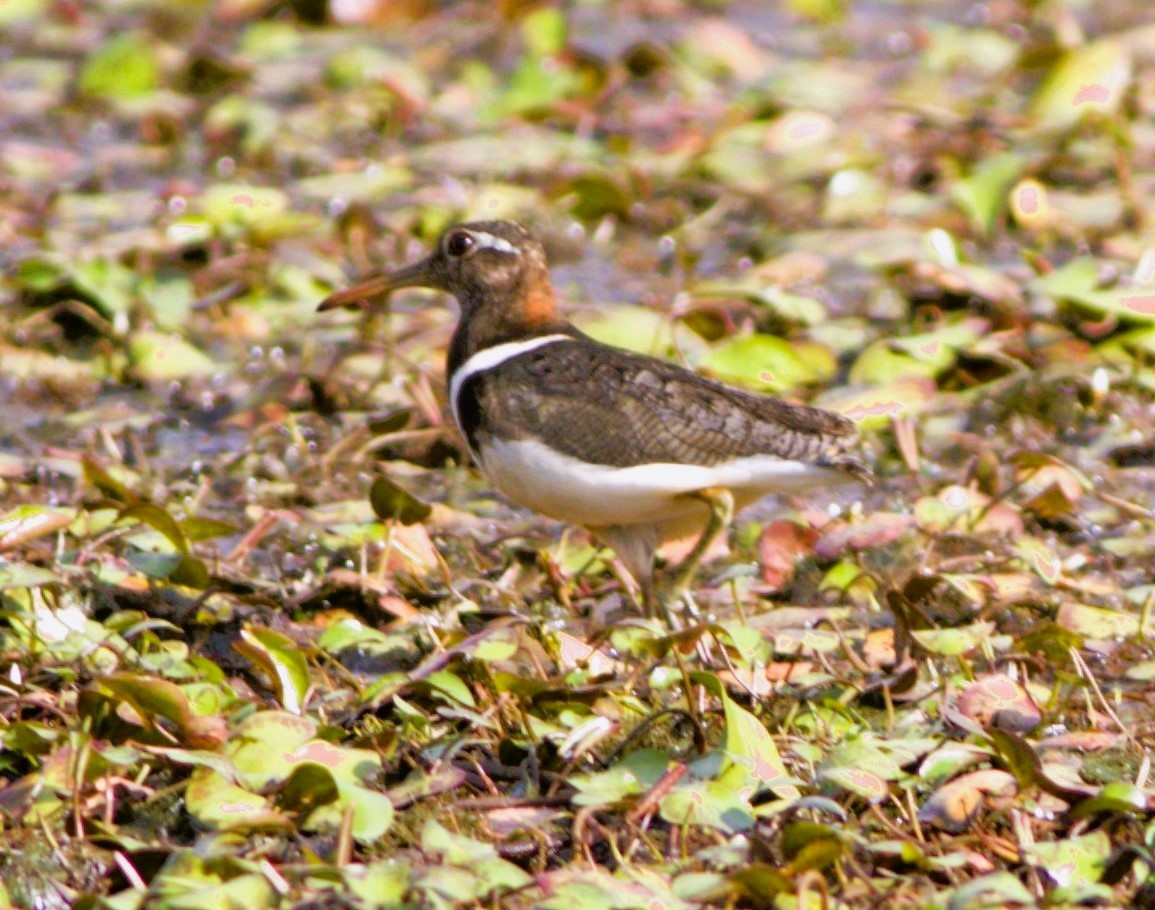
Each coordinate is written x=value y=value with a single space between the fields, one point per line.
x=374 y=287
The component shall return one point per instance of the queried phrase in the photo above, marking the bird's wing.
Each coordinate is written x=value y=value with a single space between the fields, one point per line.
x=608 y=406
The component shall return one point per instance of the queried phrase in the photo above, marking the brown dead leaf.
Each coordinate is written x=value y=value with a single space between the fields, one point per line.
x=1048 y=487
x=780 y=546
x=1083 y=741
x=504 y=823
x=674 y=551
x=574 y=653
x=878 y=648
x=374 y=585
x=746 y=682
x=794 y=267
x=412 y=550
x=954 y=806
x=963 y=510
x=999 y=701
x=877 y=530
x=1051 y=503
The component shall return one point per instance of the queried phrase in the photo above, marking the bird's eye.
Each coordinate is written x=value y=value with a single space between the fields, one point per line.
x=459 y=244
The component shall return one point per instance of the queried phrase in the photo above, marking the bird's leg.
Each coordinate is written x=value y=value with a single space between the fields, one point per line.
x=721 y=503
x=650 y=602
x=635 y=546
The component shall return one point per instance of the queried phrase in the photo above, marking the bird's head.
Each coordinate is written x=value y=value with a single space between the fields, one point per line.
x=496 y=269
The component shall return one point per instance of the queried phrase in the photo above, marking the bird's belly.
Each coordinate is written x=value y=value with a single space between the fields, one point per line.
x=560 y=486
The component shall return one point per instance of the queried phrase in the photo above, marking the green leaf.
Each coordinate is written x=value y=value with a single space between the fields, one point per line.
x=198 y=529
x=271 y=39
x=40 y=273
x=786 y=305
x=1077 y=282
x=21 y=575
x=596 y=196
x=282 y=662
x=150 y=698
x=198 y=758
x=352 y=633
x=382 y=884
x=722 y=803
x=392 y=503
x=1097 y=622
x=451 y=685
x=761 y=883
x=159 y=520
x=494 y=873
x=941 y=347
x=263 y=746
x=366 y=185
x=243 y=204
x=983 y=195
x=634 y=328
x=544 y=31
x=214 y=801
x=372 y=810
x=11 y=12
x=1090 y=79
x=767 y=362
x=125 y=66
x=191 y=573
x=994 y=890
x=1120 y=797
x=112 y=285
x=30 y=522
x=346 y=764
x=633 y=775
x=161 y=357
x=96 y=476
x=308 y=786
x=954 y=642
x=880 y=363
x=812 y=846
x=875 y=406
x=751 y=748
x=1073 y=861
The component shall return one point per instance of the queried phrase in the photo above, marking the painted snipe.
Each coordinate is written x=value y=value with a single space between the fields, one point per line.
x=637 y=450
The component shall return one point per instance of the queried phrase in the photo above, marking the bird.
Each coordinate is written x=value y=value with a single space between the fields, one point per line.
x=638 y=450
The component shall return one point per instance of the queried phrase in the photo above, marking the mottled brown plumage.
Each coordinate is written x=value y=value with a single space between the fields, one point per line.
x=659 y=412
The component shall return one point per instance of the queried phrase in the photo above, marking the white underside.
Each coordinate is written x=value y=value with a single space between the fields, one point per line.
x=597 y=496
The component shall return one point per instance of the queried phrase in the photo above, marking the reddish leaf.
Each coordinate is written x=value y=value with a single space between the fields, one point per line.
x=999 y=701
x=878 y=530
x=781 y=545
x=954 y=806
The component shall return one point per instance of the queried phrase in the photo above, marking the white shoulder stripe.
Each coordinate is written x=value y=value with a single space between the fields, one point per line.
x=491 y=358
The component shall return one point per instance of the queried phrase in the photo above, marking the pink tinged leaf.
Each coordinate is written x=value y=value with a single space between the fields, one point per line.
x=1096 y=93
x=879 y=408
x=956 y=805
x=318 y=751
x=878 y=530
x=1141 y=303
x=906 y=437
x=28 y=523
x=999 y=701
x=780 y=546
x=1029 y=200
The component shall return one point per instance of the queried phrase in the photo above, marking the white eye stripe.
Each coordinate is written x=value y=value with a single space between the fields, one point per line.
x=486 y=241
